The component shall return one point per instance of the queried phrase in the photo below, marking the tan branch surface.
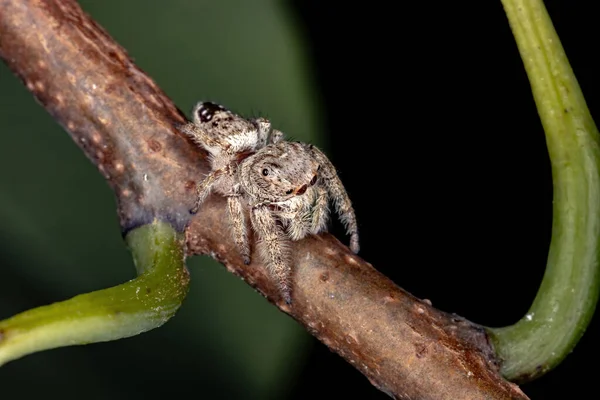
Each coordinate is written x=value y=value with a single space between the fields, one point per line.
x=128 y=127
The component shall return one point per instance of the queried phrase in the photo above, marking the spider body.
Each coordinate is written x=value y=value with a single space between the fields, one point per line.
x=285 y=186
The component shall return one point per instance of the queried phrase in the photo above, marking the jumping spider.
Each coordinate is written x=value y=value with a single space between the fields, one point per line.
x=286 y=186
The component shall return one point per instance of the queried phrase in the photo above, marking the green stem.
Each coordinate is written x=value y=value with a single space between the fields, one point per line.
x=567 y=296
x=139 y=305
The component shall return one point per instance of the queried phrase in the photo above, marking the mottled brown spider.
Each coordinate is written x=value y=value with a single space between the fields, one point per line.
x=285 y=186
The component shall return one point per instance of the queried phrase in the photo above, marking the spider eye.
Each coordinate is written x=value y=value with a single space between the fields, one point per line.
x=289 y=191
x=265 y=172
x=313 y=180
x=207 y=110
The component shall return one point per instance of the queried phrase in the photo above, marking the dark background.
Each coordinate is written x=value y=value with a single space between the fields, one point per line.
x=425 y=110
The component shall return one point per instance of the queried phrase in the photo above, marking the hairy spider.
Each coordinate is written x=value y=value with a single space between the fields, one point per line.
x=286 y=186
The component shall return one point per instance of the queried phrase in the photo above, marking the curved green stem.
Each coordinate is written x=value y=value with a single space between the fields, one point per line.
x=567 y=296
x=139 y=305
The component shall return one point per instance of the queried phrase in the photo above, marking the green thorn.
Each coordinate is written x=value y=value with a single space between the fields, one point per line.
x=568 y=294
x=137 y=306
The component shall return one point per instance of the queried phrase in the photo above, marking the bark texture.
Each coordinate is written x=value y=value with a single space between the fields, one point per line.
x=129 y=129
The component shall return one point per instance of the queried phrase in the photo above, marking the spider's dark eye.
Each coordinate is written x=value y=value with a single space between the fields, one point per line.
x=313 y=180
x=289 y=191
x=207 y=110
x=265 y=172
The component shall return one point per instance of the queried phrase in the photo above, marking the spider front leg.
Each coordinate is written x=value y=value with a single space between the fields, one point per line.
x=273 y=248
x=201 y=138
x=203 y=189
x=306 y=214
x=344 y=208
x=265 y=133
x=340 y=198
x=320 y=211
x=263 y=126
x=276 y=136
x=238 y=226
x=295 y=217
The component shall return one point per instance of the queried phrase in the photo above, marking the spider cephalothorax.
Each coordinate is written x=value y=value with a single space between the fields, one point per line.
x=285 y=186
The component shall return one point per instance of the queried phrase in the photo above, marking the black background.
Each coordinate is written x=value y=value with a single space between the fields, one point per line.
x=437 y=139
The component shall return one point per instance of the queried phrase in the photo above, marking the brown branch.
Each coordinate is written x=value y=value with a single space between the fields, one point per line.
x=128 y=127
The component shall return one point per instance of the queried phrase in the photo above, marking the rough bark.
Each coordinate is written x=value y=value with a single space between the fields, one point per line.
x=129 y=129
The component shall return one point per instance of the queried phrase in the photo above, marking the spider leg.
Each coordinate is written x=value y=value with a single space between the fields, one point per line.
x=203 y=189
x=296 y=220
x=276 y=136
x=340 y=198
x=320 y=214
x=307 y=215
x=344 y=208
x=201 y=138
x=273 y=246
x=238 y=226
x=263 y=126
